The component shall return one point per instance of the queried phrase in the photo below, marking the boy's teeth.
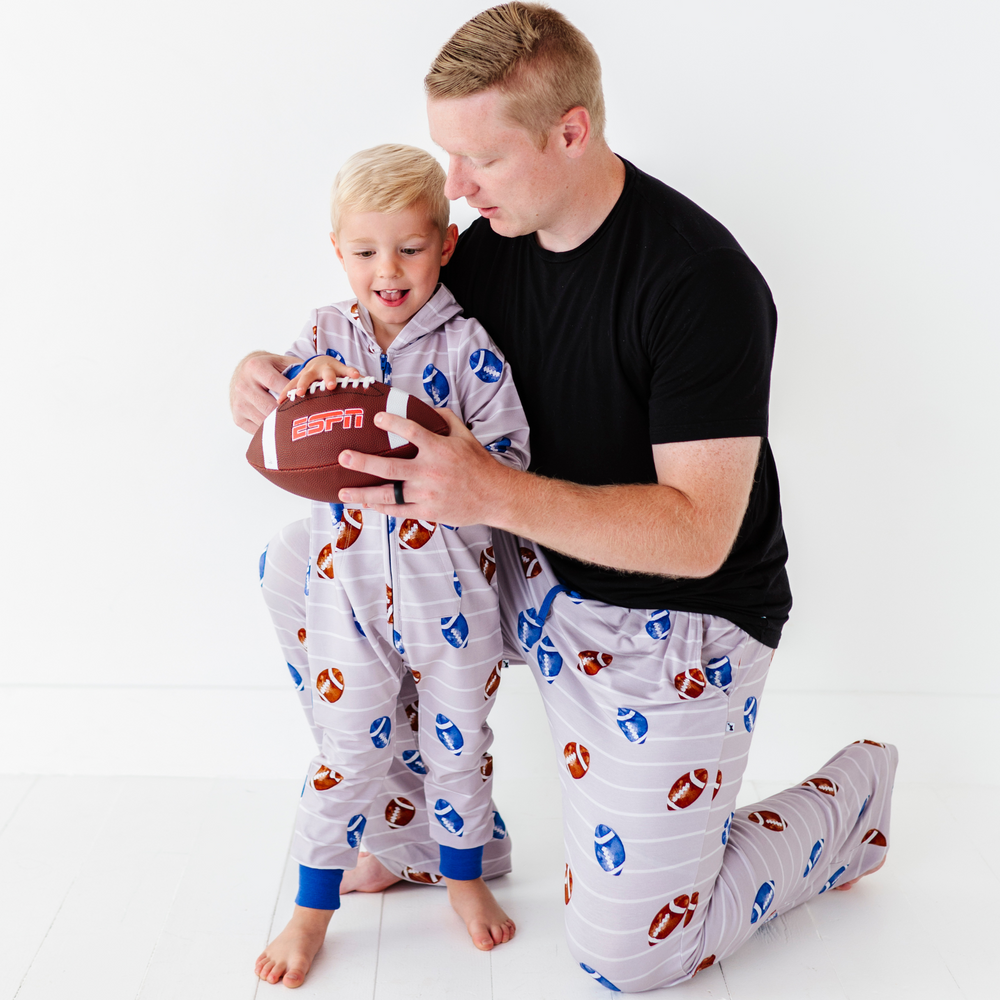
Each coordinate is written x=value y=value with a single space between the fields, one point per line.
x=390 y=293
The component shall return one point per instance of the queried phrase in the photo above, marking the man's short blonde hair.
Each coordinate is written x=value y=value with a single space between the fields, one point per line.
x=530 y=53
x=390 y=178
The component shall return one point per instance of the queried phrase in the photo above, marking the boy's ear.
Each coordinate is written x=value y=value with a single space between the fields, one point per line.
x=340 y=256
x=448 y=246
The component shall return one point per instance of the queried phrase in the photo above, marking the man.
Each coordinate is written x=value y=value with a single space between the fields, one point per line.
x=642 y=575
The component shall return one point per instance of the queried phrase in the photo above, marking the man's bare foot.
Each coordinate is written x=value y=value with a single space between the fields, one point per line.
x=289 y=956
x=854 y=881
x=369 y=876
x=485 y=921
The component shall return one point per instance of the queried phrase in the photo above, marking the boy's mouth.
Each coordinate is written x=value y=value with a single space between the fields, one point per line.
x=392 y=296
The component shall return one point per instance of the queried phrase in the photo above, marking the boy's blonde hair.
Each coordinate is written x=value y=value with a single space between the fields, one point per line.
x=530 y=53
x=390 y=178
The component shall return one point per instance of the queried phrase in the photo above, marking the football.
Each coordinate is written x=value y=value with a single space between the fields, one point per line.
x=299 y=444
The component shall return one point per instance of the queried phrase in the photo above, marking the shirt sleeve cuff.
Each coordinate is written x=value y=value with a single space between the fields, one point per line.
x=319 y=888
x=462 y=864
x=293 y=370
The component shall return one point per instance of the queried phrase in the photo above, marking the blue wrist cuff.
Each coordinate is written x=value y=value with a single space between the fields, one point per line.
x=461 y=863
x=319 y=888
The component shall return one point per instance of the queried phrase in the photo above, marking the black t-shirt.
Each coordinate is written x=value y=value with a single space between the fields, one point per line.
x=657 y=329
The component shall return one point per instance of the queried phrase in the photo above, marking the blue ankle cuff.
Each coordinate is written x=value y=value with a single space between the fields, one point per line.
x=461 y=863
x=319 y=888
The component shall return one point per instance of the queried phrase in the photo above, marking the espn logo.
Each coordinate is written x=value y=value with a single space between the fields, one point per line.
x=319 y=423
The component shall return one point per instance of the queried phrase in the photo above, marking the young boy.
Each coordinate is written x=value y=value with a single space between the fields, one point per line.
x=392 y=604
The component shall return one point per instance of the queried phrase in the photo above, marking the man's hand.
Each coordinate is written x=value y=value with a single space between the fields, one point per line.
x=250 y=388
x=453 y=480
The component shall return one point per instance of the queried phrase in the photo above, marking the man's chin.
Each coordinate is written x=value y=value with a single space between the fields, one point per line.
x=504 y=227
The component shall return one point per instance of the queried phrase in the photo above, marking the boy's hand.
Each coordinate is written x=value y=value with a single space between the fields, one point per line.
x=325 y=369
x=256 y=377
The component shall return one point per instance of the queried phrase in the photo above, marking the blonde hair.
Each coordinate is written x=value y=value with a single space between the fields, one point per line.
x=531 y=54
x=390 y=178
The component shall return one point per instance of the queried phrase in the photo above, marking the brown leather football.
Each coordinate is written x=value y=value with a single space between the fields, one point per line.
x=299 y=444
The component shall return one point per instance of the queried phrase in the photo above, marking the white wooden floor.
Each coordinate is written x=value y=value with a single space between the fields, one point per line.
x=166 y=888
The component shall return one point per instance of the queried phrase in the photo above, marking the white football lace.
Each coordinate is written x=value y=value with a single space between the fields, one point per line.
x=354 y=383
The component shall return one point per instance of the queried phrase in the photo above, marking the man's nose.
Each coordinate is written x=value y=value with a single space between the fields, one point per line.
x=458 y=183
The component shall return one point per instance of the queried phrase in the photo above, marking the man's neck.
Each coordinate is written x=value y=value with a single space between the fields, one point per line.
x=594 y=192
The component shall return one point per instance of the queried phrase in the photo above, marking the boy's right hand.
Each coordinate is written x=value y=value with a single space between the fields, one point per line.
x=321 y=369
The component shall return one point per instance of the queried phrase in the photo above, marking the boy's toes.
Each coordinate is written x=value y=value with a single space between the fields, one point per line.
x=276 y=972
x=482 y=936
x=295 y=976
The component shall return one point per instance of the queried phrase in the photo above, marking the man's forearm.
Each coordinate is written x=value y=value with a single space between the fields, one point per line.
x=643 y=528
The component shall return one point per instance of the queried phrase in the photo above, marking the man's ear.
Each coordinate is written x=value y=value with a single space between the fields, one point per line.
x=448 y=246
x=573 y=131
x=340 y=256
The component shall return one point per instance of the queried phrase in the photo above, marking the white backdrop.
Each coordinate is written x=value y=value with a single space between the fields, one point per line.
x=165 y=175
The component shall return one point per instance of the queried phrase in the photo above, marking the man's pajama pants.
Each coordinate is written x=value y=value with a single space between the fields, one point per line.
x=651 y=714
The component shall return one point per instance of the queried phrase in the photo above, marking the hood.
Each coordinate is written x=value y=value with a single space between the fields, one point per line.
x=434 y=313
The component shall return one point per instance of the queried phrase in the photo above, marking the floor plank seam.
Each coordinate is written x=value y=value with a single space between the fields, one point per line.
x=378 y=942
x=20 y=802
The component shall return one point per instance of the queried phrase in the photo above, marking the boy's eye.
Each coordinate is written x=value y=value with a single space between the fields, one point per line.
x=411 y=251
x=364 y=253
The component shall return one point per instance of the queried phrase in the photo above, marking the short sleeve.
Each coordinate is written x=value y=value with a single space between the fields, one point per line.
x=710 y=342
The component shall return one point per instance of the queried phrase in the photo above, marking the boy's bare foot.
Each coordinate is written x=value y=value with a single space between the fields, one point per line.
x=854 y=881
x=369 y=876
x=485 y=921
x=289 y=956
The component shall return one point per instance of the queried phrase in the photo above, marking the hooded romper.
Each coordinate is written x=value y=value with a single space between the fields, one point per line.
x=398 y=663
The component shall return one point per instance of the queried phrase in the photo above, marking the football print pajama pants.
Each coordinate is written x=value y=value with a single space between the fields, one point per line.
x=652 y=713
x=391 y=634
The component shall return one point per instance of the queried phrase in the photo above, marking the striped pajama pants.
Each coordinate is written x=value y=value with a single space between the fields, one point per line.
x=652 y=713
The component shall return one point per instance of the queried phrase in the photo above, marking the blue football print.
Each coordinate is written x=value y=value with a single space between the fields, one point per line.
x=549 y=660
x=333 y=353
x=309 y=566
x=413 y=760
x=831 y=881
x=390 y=524
x=575 y=596
x=633 y=724
x=355 y=828
x=500 y=446
x=726 y=828
x=598 y=978
x=449 y=735
x=609 y=849
x=297 y=677
x=765 y=897
x=357 y=625
x=864 y=806
x=486 y=365
x=659 y=624
x=446 y=815
x=814 y=855
x=456 y=583
x=529 y=628
x=750 y=713
x=263 y=560
x=499 y=827
x=397 y=641
x=381 y=731
x=436 y=385
x=456 y=631
x=719 y=672
x=336 y=513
